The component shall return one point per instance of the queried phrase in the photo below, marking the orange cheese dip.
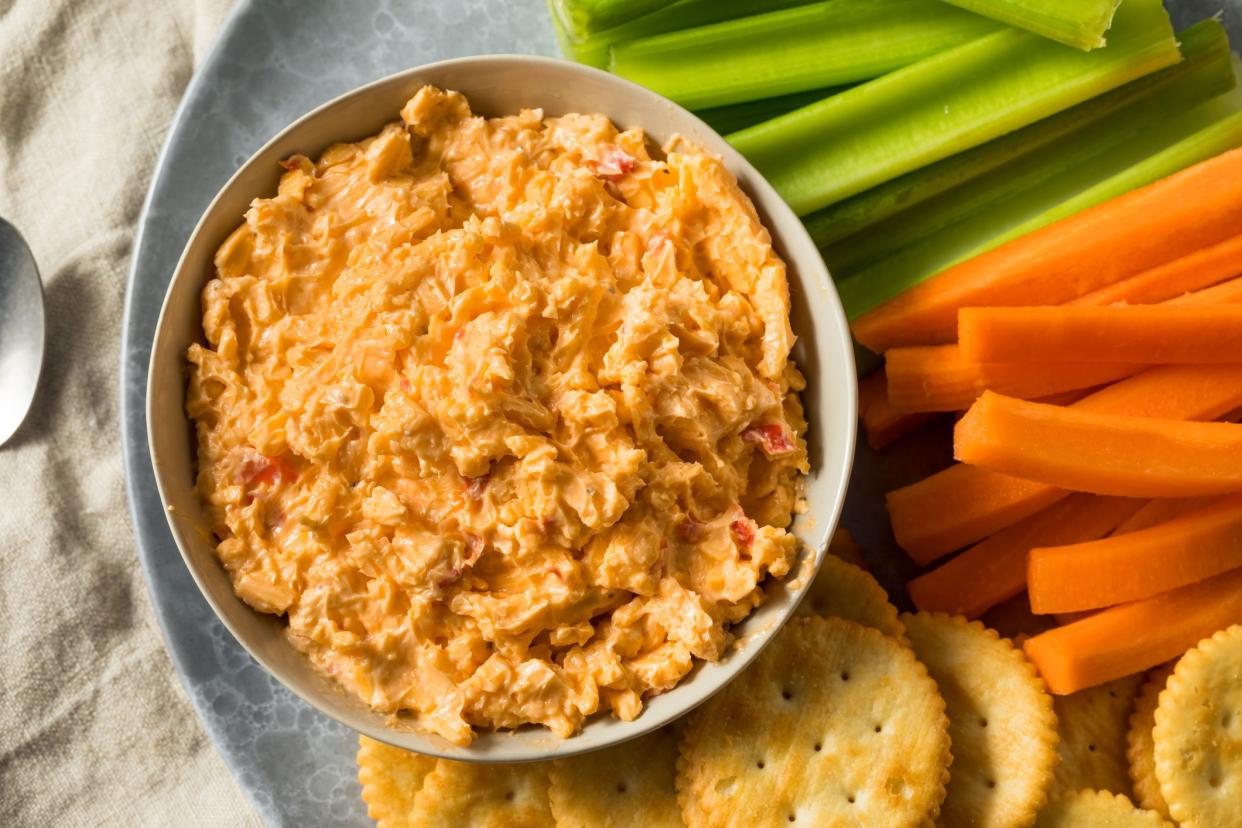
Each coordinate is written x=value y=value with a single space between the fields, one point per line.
x=499 y=413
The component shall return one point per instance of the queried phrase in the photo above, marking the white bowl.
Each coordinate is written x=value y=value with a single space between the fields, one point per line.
x=498 y=85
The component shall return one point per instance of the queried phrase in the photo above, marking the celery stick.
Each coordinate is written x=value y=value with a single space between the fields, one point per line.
x=826 y=44
x=826 y=152
x=726 y=119
x=1078 y=23
x=593 y=49
x=566 y=43
x=683 y=14
x=1208 y=130
x=1202 y=73
x=1220 y=135
x=1205 y=73
x=585 y=17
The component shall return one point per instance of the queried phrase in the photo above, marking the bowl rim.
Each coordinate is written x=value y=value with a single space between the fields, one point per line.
x=813 y=271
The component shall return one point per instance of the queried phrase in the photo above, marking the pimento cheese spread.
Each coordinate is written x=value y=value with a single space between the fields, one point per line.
x=499 y=413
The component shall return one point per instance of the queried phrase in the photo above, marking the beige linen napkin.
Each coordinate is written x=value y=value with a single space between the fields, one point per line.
x=94 y=727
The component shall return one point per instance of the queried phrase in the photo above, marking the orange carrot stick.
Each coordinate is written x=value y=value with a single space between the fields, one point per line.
x=1162 y=510
x=1133 y=637
x=1225 y=293
x=1136 y=334
x=1162 y=222
x=1100 y=573
x=960 y=505
x=1177 y=392
x=1192 y=272
x=939 y=378
x=1086 y=451
x=994 y=570
x=882 y=423
x=964 y=504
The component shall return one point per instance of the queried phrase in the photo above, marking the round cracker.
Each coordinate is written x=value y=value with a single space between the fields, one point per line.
x=631 y=784
x=390 y=779
x=834 y=724
x=1001 y=725
x=843 y=590
x=483 y=796
x=1198 y=734
x=1139 y=744
x=1097 y=809
x=1093 y=724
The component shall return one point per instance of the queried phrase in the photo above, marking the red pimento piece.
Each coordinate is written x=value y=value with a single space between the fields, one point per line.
x=773 y=438
x=614 y=163
x=744 y=528
x=261 y=470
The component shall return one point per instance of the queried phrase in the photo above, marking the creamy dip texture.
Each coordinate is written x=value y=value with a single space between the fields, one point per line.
x=499 y=413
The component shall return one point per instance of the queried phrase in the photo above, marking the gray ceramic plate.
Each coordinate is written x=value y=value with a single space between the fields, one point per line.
x=275 y=60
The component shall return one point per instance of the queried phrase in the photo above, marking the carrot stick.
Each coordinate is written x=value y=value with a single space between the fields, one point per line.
x=1137 y=334
x=1225 y=293
x=963 y=504
x=1194 y=271
x=882 y=423
x=1114 y=454
x=1162 y=510
x=960 y=505
x=940 y=378
x=1177 y=392
x=994 y=570
x=1100 y=573
x=1153 y=225
x=1133 y=637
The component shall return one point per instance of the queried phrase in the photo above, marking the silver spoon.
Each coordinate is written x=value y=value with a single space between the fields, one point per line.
x=21 y=329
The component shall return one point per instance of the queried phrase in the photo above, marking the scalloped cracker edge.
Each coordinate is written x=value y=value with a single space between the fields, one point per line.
x=833 y=722
x=1198 y=734
x=1001 y=721
x=843 y=590
x=1140 y=748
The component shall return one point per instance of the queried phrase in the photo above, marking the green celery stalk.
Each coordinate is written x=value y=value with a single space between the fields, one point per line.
x=1205 y=131
x=683 y=14
x=582 y=18
x=731 y=118
x=1203 y=73
x=1220 y=135
x=1078 y=23
x=569 y=48
x=810 y=47
x=948 y=103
